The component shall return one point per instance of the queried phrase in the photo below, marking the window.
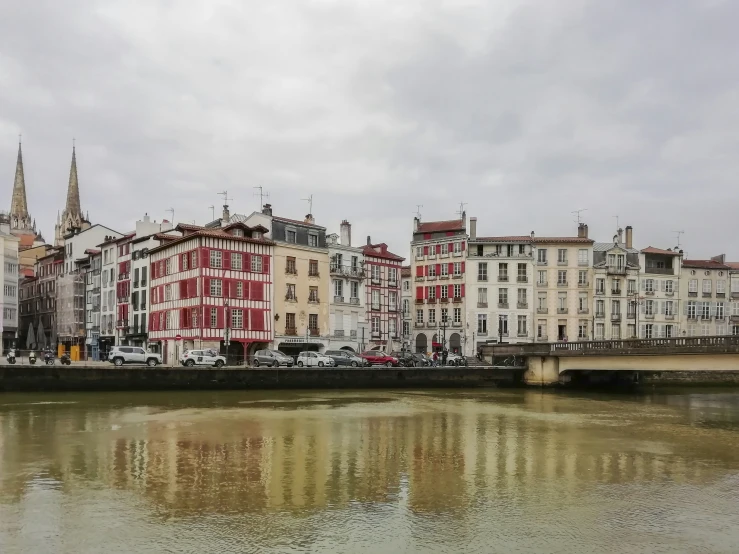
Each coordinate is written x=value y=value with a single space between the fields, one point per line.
x=406 y=285
x=482 y=271
x=216 y=287
x=457 y=268
x=237 y=319
x=541 y=329
x=706 y=286
x=445 y=315
x=482 y=324
x=599 y=331
x=502 y=272
x=290 y=322
x=616 y=284
x=541 y=277
x=236 y=261
x=392 y=327
x=735 y=308
x=600 y=286
x=419 y=317
x=669 y=308
x=541 y=256
x=522 y=299
x=168 y=292
x=432 y=293
x=216 y=259
x=693 y=285
x=705 y=329
x=313 y=268
x=503 y=297
x=510 y=250
x=561 y=277
x=239 y=289
x=457 y=291
x=312 y=240
x=213 y=318
x=458 y=315
x=582 y=277
x=721 y=286
x=582 y=329
x=419 y=251
x=669 y=331
x=542 y=301
x=375 y=272
x=444 y=270
x=615 y=307
x=313 y=322
x=503 y=325
x=445 y=248
x=290 y=292
x=432 y=315
x=649 y=307
x=522 y=274
x=256 y=264
x=482 y=297
x=600 y=308
x=194 y=318
x=338 y=288
x=649 y=285
x=562 y=256
x=522 y=328
x=668 y=286
x=705 y=310
x=431 y=270
x=313 y=294
x=691 y=309
x=194 y=259
x=616 y=331
x=631 y=286
x=406 y=328
x=457 y=247
x=444 y=292
x=392 y=299
x=582 y=302
x=290 y=236
x=582 y=256
x=406 y=306
x=648 y=331
x=720 y=311
x=354 y=286
x=376 y=298
x=562 y=301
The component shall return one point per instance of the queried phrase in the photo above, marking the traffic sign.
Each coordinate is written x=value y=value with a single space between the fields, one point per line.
x=178 y=337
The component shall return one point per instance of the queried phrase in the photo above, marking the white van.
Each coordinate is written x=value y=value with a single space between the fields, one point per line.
x=313 y=359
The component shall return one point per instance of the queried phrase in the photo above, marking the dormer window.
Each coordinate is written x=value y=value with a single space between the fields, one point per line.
x=256 y=234
x=237 y=232
x=290 y=236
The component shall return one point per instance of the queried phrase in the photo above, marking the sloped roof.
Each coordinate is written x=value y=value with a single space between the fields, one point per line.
x=369 y=250
x=202 y=232
x=733 y=265
x=704 y=264
x=405 y=271
x=563 y=240
x=652 y=250
x=441 y=226
x=522 y=238
x=295 y=222
x=606 y=246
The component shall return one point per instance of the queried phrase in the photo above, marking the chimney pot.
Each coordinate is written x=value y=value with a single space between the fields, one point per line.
x=581 y=230
x=473 y=228
x=369 y=240
x=346 y=233
x=267 y=209
x=629 y=236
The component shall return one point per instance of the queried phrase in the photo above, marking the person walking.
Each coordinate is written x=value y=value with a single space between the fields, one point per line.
x=436 y=358
x=444 y=355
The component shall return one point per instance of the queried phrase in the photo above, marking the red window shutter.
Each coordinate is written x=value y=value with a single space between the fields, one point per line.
x=425 y=250
x=220 y=319
x=256 y=319
x=426 y=236
x=206 y=287
x=226 y=259
x=462 y=266
x=462 y=246
x=265 y=264
x=183 y=289
x=153 y=321
x=451 y=247
x=181 y=314
x=204 y=257
x=153 y=272
x=451 y=268
x=419 y=271
x=462 y=292
x=419 y=293
x=128 y=267
x=438 y=248
x=425 y=293
x=438 y=270
x=438 y=291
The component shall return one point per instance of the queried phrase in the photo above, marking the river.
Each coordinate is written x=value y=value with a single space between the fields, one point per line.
x=373 y=472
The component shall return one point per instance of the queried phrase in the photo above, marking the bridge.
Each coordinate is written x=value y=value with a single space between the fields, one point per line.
x=561 y=362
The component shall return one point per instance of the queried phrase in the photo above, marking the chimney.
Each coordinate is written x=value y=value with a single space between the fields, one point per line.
x=416 y=221
x=533 y=235
x=581 y=231
x=369 y=241
x=267 y=209
x=346 y=233
x=226 y=216
x=473 y=228
x=586 y=230
x=629 y=236
x=721 y=258
x=309 y=219
x=620 y=236
x=146 y=218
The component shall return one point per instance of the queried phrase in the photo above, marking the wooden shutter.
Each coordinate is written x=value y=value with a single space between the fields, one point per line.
x=451 y=247
x=153 y=270
x=425 y=250
x=419 y=271
x=192 y=288
x=204 y=257
x=463 y=246
x=226 y=259
x=425 y=293
x=419 y=293
x=451 y=268
x=438 y=270
x=256 y=319
x=463 y=263
x=206 y=286
x=462 y=291
x=449 y=291
x=438 y=248
x=265 y=264
x=220 y=318
x=257 y=290
x=438 y=291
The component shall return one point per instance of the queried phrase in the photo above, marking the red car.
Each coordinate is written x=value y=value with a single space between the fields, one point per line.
x=376 y=357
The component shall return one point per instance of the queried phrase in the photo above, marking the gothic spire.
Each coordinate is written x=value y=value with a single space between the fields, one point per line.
x=18 y=204
x=73 y=208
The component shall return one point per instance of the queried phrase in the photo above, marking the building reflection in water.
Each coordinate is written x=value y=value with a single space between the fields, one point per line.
x=450 y=452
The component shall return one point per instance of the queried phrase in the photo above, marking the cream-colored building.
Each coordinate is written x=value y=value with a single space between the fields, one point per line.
x=704 y=293
x=563 y=274
x=659 y=299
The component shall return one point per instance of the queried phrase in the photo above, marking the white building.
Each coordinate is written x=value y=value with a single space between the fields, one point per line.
x=347 y=309
x=77 y=243
x=406 y=298
x=108 y=300
x=660 y=313
x=10 y=279
x=703 y=292
x=500 y=288
x=92 y=305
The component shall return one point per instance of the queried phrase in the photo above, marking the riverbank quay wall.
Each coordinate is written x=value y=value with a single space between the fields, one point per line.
x=81 y=378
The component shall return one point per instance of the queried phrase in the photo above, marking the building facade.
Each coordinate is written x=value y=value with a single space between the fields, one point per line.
x=10 y=279
x=346 y=294
x=704 y=295
x=406 y=296
x=108 y=302
x=212 y=288
x=562 y=264
x=438 y=267
x=92 y=304
x=659 y=301
x=382 y=296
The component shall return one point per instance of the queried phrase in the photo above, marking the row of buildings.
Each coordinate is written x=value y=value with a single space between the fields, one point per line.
x=245 y=282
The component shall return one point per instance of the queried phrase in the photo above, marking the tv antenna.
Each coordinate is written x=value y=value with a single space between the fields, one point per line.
x=678 y=233
x=617 y=227
x=212 y=213
x=461 y=208
x=262 y=196
x=310 y=203
x=418 y=210
x=171 y=210
x=225 y=197
x=577 y=214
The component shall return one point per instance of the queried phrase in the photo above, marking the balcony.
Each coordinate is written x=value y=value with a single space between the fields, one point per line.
x=354 y=301
x=616 y=270
x=522 y=279
x=692 y=294
x=659 y=270
x=583 y=311
x=583 y=263
x=503 y=305
x=418 y=325
x=522 y=305
x=291 y=298
x=542 y=311
x=502 y=278
x=392 y=308
x=339 y=333
x=338 y=299
x=375 y=307
x=419 y=300
x=541 y=284
x=375 y=280
x=542 y=338
x=615 y=317
x=670 y=316
x=562 y=262
x=314 y=300
x=600 y=315
x=444 y=255
x=631 y=315
x=648 y=316
x=669 y=293
x=456 y=324
x=541 y=262
x=444 y=300
x=735 y=293
x=457 y=276
x=616 y=292
x=562 y=284
x=313 y=332
x=482 y=333
x=313 y=274
x=419 y=279
x=291 y=331
x=562 y=310
x=457 y=299
x=482 y=304
x=583 y=284
x=375 y=335
x=720 y=295
x=707 y=295
x=291 y=271
x=121 y=324
x=457 y=254
x=600 y=292
x=432 y=325
x=431 y=277
x=444 y=277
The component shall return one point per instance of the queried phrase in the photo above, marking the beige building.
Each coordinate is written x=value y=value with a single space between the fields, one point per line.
x=704 y=295
x=563 y=274
x=659 y=313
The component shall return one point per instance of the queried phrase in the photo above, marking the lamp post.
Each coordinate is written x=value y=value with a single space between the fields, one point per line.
x=226 y=330
x=500 y=329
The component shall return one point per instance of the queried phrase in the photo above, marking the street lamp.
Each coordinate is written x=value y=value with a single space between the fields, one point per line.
x=500 y=329
x=226 y=331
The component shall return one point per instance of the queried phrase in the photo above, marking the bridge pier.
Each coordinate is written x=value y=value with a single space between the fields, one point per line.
x=543 y=371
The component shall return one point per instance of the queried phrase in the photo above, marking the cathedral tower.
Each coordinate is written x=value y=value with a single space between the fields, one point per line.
x=72 y=220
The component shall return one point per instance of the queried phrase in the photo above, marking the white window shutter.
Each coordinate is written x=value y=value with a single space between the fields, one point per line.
x=642 y=307
x=662 y=307
x=641 y=330
x=644 y=285
x=685 y=308
x=662 y=285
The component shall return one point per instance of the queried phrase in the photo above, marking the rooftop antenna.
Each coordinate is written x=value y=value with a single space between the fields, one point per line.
x=617 y=227
x=461 y=209
x=171 y=210
x=310 y=203
x=577 y=214
x=418 y=210
x=678 y=233
x=262 y=196
x=225 y=197
x=212 y=213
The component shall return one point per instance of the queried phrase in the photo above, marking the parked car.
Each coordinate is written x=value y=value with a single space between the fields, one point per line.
x=206 y=357
x=313 y=359
x=272 y=358
x=405 y=359
x=421 y=360
x=345 y=358
x=455 y=359
x=119 y=355
x=378 y=357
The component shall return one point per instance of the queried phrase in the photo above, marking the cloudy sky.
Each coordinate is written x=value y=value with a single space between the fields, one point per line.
x=524 y=110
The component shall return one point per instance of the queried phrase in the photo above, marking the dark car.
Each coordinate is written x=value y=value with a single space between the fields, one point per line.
x=421 y=360
x=272 y=358
x=405 y=359
x=345 y=358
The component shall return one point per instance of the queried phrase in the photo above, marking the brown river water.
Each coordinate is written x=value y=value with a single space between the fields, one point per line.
x=370 y=472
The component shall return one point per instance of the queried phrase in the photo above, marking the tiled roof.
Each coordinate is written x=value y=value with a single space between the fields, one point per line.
x=296 y=222
x=563 y=240
x=405 y=271
x=733 y=265
x=215 y=233
x=522 y=238
x=369 y=250
x=441 y=226
x=704 y=264
x=92 y=251
x=652 y=250
x=606 y=246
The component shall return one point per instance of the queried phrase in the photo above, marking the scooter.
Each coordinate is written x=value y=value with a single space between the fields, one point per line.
x=32 y=357
x=48 y=358
x=10 y=356
x=65 y=359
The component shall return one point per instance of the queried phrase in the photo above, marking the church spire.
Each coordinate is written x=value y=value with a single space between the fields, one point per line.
x=18 y=204
x=73 y=209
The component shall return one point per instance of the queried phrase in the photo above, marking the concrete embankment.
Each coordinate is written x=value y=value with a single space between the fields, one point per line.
x=108 y=378
x=692 y=378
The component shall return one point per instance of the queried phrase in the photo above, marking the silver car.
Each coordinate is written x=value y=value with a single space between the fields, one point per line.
x=271 y=358
x=120 y=355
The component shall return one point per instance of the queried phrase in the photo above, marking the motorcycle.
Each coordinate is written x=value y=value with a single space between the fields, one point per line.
x=48 y=358
x=32 y=357
x=10 y=356
x=65 y=359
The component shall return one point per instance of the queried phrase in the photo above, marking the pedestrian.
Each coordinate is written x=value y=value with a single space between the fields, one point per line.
x=436 y=358
x=444 y=356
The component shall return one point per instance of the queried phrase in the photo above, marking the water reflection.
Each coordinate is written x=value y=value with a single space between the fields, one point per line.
x=520 y=458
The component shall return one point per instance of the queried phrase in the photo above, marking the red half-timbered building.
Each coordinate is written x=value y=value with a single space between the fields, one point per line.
x=382 y=269
x=123 y=287
x=211 y=287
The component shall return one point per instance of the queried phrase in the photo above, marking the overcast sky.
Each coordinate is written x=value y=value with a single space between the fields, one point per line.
x=525 y=110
